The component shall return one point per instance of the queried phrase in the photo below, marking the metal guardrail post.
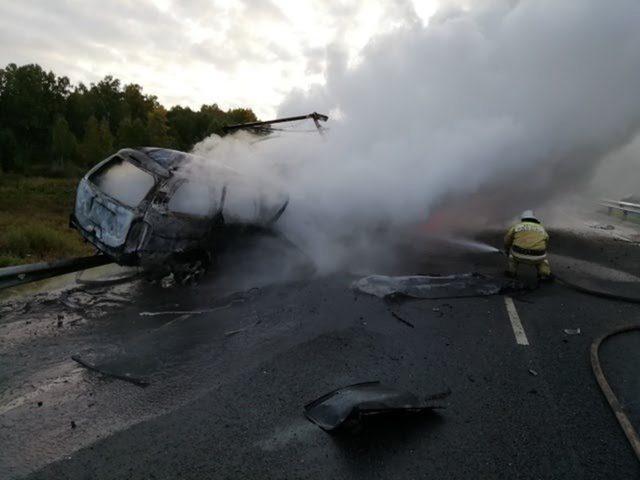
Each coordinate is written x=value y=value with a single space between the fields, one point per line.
x=625 y=207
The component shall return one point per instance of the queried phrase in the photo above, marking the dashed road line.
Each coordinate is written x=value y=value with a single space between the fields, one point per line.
x=516 y=324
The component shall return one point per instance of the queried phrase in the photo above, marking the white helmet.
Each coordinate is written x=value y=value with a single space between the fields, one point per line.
x=528 y=214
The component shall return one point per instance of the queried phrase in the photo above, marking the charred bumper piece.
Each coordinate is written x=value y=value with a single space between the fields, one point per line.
x=347 y=407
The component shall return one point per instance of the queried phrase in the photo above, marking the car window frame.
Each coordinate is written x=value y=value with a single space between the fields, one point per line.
x=107 y=163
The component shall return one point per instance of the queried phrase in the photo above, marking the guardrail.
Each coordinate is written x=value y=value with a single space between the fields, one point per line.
x=625 y=207
x=20 y=274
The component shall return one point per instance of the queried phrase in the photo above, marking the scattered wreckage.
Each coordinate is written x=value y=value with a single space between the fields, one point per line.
x=152 y=207
x=348 y=407
x=435 y=286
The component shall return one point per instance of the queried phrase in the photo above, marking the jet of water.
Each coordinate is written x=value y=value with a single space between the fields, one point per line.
x=471 y=244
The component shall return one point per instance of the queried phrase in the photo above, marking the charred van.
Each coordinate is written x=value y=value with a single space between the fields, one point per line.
x=149 y=206
x=159 y=208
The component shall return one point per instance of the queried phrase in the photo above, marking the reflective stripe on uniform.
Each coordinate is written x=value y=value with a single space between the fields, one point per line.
x=529 y=227
x=530 y=252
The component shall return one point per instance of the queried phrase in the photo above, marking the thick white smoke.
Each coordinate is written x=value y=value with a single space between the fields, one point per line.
x=482 y=113
x=618 y=175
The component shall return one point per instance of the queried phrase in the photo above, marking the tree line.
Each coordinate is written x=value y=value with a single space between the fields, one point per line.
x=49 y=126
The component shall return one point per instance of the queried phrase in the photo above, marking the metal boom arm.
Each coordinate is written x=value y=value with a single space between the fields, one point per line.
x=317 y=117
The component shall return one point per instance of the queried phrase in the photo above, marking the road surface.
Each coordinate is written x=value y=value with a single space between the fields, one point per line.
x=228 y=381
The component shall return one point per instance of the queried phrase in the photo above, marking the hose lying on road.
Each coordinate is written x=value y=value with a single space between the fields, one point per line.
x=613 y=401
x=597 y=293
x=579 y=288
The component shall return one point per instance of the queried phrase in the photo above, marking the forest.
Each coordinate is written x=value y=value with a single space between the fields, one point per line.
x=51 y=127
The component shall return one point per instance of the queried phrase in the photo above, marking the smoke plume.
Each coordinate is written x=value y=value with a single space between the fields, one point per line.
x=482 y=113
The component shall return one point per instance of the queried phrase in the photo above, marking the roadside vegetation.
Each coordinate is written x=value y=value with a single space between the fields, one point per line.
x=34 y=220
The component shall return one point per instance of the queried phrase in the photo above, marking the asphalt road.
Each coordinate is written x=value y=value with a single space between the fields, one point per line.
x=227 y=384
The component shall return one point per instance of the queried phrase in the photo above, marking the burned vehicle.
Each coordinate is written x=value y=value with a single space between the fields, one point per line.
x=152 y=207
x=139 y=208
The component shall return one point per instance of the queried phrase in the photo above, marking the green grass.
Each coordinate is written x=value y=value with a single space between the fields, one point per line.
x=34 y=220
x=8 y=261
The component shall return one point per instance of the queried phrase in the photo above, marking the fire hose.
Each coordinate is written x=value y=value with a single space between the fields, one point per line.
x=614 y=403
x=627 y=427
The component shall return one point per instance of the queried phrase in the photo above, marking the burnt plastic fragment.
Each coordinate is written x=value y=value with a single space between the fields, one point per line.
x=348 y=406
x=435 y=286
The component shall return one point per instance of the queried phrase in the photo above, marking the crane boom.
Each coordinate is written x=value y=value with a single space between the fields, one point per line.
x=315 y=116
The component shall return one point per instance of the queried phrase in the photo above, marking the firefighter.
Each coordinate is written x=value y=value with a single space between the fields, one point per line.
x=526 y=242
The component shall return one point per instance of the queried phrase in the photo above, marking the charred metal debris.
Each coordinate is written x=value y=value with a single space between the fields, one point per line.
x=141 y=382
x=349 y=407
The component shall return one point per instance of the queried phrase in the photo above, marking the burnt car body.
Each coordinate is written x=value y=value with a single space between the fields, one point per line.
x=151 y=207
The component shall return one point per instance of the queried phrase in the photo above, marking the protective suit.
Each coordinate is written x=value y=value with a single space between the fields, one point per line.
x=526 y=242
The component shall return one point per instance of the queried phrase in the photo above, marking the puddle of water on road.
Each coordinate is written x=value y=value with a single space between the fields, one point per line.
x=64 y=282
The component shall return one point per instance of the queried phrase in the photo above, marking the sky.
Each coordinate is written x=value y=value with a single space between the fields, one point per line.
x=237 y=53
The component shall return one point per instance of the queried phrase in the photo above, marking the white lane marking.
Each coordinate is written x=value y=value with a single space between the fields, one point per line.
x=516 y=324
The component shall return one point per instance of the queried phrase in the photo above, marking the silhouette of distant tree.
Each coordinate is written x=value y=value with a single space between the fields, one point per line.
x=45 y=121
